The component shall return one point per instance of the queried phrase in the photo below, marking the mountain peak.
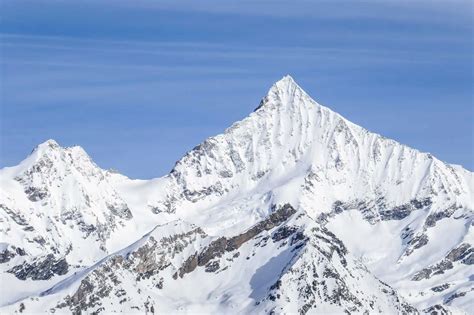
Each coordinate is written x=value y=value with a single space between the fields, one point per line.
x=286 y=93
x=284 y=85
x=50 y=143
x=53 y=152
x=287 y=79
x=47 y=146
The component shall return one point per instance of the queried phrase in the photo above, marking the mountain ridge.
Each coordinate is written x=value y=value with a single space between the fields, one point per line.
x=289 y=151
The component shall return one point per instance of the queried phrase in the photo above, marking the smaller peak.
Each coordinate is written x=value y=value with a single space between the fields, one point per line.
x=52 y=147
x=51 y=142
x=48 y=145
x=48 y=148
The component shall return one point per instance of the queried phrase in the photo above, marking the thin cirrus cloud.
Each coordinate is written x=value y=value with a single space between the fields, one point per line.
x=330 y=9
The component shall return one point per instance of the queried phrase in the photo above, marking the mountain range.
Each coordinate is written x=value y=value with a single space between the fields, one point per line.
x=294 y=209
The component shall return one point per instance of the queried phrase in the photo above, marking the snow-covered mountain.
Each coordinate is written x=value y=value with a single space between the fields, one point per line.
x=293 y=209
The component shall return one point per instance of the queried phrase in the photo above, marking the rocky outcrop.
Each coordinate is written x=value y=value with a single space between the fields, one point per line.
x=41 y=269
x=10 y=252
x=144 y=263
x=377 y=210
x=320 y=278
x=223 y=244
x=436 y=310
x=463 y=254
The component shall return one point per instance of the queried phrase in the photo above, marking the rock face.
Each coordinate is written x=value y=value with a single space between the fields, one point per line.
x=41 y=270
x=218 y=247
x=292 y=210
x=462 y=254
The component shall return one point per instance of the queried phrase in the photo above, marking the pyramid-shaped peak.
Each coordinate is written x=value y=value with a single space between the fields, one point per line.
x=287 y=79
x=285 y=84
x=284 y=87
x=286 y=93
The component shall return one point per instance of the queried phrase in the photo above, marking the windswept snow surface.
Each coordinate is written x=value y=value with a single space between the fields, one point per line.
x=293 y=209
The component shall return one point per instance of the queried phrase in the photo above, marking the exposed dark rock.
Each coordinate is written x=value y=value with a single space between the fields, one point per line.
x=454 y=296
x=338 y=207
x=314 y=287
x=6 y=255
x=159 y=285
x=149 y=308
x=402 y=211
x=428 y=272
x=416 y=243
x=395 y=214
x=263 y=101
x=146 y=262
x=436 y=310
x=440 y=288
x=17 y=218
x=283 y=233
x=226 y=174
x=155 y=210
x=36 y=193
x=215 y=249
x=80 y=296
x=188 y=266
x=461 y=253
x=376 y=210
x=120 y=210
x=277 y=217
x=212 y=266
x=469 y=259
x=336 y=245
x=407 y=309
x=407 y=235
x=442 y=267
x=439 y=215
x=40 y=240
x=259 y=175
x=419 y=204
x=196 y=195
x=422 y=274
x=20 y=251
x=298 y=236
x=90 y=293
x=41 y=269
x=218 y=247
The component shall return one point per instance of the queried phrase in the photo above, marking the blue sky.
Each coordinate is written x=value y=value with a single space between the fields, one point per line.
x=139 y=83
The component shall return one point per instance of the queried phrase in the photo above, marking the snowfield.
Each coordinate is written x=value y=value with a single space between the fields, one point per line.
x=294 y=209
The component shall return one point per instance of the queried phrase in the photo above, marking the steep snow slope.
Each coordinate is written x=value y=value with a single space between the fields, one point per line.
x=404 y=214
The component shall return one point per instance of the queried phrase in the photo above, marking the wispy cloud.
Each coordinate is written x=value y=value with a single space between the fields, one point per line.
x=328 y=9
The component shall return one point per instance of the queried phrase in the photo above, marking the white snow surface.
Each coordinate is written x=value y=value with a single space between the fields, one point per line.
x=400 y=214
